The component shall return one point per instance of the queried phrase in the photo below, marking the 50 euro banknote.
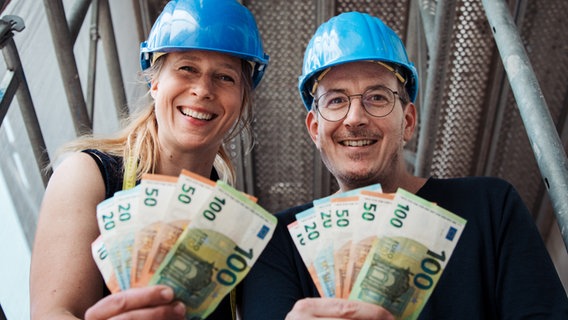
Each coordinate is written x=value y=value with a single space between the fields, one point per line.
x=156 y=192
x=230 y=227
x=412 y=247
x=327 y=231
x=365 y=223
x=190 y=193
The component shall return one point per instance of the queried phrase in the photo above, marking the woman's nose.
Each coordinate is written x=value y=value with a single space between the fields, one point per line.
x=202 y=87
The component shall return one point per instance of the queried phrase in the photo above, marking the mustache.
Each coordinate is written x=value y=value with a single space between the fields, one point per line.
x=358 y=134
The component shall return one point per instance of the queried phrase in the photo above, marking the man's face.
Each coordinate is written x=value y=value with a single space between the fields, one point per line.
x=362 y=149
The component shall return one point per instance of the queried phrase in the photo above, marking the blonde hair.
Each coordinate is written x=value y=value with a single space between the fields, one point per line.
x=138 y=139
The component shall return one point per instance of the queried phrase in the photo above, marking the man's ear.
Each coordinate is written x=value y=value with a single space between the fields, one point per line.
x=312 y=125
x=410 y=121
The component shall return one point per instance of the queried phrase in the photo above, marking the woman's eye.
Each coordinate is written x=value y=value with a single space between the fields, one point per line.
x=227 y=78
x=188 y=68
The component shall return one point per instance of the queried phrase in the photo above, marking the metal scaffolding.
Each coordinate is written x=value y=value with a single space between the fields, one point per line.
x=15 y=83
x=545 y=141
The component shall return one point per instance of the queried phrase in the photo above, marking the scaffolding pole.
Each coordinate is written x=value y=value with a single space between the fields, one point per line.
x=112 y=60
x=439 y=45
x=63 y=44
x=545 y=142
x=325 y=9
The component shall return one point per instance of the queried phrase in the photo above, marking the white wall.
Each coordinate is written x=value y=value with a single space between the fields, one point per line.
x=14 y=269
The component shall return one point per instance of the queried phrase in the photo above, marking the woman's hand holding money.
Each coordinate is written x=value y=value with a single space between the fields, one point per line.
x=153 y=302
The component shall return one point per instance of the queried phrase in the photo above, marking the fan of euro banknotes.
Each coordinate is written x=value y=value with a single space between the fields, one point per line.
x=197 y=236
x=387 y=249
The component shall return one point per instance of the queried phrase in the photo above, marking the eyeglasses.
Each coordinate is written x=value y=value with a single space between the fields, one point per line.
x=334 y=105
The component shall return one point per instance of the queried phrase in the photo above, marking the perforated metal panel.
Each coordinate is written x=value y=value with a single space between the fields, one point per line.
x=283 y=152
x=467 y=82
x=394 y=13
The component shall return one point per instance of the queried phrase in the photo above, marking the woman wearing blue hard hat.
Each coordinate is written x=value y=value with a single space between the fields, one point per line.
x=202 y=61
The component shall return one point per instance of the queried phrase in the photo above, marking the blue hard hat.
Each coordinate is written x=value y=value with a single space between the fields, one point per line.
x=349 y=37
x=223 y=26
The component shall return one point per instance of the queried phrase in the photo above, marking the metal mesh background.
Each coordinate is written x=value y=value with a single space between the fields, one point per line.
x=466 y=84
x=283 y=155
x=392 y=12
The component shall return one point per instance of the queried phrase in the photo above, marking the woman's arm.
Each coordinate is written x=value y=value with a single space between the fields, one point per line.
x=64 y=279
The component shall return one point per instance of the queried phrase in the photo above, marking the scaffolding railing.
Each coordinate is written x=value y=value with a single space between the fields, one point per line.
x=545 y=141
x=65 y=32
x=13 y=84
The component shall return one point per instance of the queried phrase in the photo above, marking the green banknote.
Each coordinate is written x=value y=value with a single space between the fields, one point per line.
x=216 y=250
x=415 y=241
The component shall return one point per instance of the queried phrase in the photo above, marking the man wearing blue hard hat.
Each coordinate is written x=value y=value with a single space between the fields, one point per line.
x=359 y=89
x=202 y=62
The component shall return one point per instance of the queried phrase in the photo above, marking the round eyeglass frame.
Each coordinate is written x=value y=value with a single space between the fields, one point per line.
x=360 y=95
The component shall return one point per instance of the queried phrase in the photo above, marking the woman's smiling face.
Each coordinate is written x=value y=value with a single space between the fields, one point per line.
x=198 y=99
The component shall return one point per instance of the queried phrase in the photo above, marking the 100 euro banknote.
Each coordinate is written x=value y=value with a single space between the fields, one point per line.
x=415 y=241
x=216 y=250
x=157 y=211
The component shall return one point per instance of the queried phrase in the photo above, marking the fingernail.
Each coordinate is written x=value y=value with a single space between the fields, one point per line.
x=179 y=308
x=167 y=294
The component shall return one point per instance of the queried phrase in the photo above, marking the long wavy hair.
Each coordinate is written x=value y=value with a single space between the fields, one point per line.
x=138 y=139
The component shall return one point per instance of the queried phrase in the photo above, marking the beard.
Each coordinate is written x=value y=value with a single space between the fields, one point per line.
x=351 y=178
x=383 y=167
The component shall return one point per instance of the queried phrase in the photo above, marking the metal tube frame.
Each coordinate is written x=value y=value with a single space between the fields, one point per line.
x=18 y=85
x=325 y=9
x=63 y=44
x=547 y=146
x=112 y=59
x=93 y=50
x=15 y=84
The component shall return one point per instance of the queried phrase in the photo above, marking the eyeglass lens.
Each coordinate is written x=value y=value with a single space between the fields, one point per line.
x=377 y=101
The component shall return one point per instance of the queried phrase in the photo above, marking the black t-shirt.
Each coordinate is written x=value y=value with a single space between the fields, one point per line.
x=500 y=268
